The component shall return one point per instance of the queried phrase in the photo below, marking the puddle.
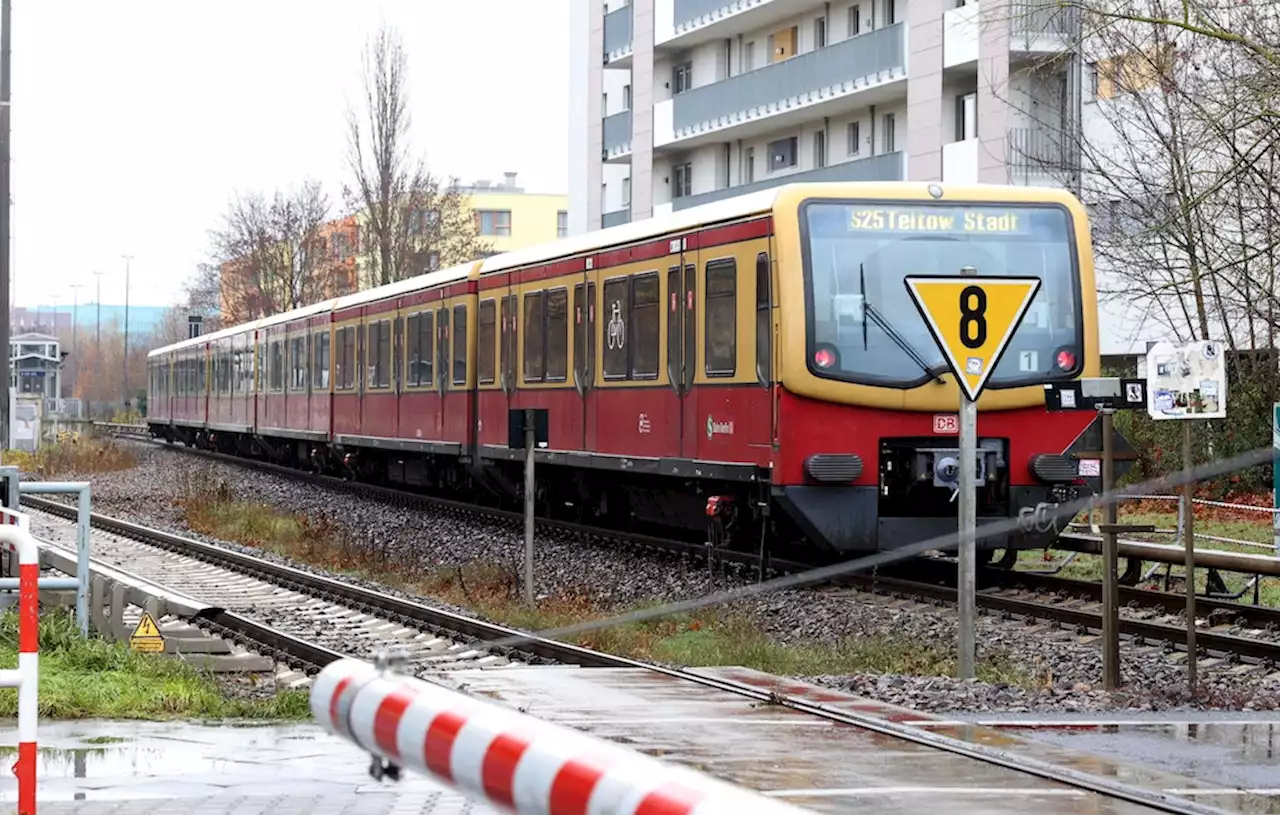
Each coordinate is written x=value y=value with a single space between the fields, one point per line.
x=110 y=760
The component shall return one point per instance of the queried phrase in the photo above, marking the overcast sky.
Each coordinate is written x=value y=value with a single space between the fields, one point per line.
x=134 y=121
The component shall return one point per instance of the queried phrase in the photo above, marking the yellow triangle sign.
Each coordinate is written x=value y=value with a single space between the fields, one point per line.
x=972 y=319
x=146 y=636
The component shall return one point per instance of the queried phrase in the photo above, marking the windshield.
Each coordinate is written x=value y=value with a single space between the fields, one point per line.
x=858 y=254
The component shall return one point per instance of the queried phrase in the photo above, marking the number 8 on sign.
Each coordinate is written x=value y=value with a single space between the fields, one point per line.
x=972 y=319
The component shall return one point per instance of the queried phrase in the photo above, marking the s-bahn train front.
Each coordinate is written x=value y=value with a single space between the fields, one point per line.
x=867 y=440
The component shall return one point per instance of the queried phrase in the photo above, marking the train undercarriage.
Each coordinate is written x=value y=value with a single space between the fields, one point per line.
x=913 y=502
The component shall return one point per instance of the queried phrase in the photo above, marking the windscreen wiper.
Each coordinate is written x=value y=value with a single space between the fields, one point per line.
x=898 y=339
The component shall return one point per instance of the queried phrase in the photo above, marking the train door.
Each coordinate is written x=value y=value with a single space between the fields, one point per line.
x=584 y=355
x=442 y=368
x=682 y=343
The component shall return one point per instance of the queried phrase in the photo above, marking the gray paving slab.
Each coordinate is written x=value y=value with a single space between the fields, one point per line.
x=156 y=768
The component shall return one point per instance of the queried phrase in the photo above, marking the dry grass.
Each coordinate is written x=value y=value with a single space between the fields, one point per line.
x=493 y=590
x=74 y=456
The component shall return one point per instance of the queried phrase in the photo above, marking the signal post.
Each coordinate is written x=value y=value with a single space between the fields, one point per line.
x=972 y=318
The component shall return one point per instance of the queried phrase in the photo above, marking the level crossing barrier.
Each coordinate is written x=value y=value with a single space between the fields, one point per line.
x=507 y=759
x=15 y=536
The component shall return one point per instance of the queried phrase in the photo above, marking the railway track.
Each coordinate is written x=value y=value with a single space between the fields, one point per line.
x=307 y=617
x=297 y=612
x=1234 y=631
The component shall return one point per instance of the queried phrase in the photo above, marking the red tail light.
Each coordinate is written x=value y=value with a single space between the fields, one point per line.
x=1066 y=360
x=824 y=358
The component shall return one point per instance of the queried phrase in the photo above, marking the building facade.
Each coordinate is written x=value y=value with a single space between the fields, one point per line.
x=508 y=217
x=691 y=101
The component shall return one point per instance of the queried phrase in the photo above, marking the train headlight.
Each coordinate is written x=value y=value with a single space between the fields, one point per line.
x=825 y=357
x=1065 y=359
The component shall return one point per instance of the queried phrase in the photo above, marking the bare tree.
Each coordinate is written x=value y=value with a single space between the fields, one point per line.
x=273 y=254
x=416 y=222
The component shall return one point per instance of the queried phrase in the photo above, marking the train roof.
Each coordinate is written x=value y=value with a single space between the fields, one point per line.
x=740 y=206
x=716 y=211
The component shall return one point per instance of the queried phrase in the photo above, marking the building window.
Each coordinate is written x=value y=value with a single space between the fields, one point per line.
x=820 y=149
x=782 y=154
x=682 y=78
x=855 y=20
x=820 y=32
x=749 y=57
x=749 y=165
x=1092 y=68
x=967 y=116
x=562 y=224
x=493 y=221
x=626 y=97
x=683 y=180
x=853 y=135
x=890 y=132
x=626 y=192
x=890 y=12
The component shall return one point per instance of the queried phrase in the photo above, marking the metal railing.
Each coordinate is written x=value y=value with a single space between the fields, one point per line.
x=1044 y=17
x=864 y=56
x=884 y=167
x=1039 y=151
x=617 y=30
x=617 y=131
x=64 y=408
x=687 y=11
x=615 y=218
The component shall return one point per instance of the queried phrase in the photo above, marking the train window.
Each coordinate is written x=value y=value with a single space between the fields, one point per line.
x=486 y=342
x=298 y=363
x=535 y=312
x=442 y=345
x=645 y=320
x=507 y=352
x=275 y=369
x=320 y=361
x=460 y=345
x=675 y=363
x=584 y=346
x=379 y=353
x=616 y=313
x=426 y=347
x=343 y=358
x=722 y=317
x=764 y=322
x=557 y=354
x=412 y=349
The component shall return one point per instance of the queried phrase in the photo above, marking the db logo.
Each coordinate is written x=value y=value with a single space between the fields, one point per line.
x=946 y=423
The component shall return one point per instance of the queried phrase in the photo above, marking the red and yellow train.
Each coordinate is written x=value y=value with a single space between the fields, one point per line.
x=754 y=364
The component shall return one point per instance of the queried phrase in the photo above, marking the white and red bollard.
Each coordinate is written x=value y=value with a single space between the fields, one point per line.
x=504 y=758
x=15 y=532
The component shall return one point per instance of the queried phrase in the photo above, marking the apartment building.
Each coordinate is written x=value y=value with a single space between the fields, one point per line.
x=677 y=103
x=509 y=217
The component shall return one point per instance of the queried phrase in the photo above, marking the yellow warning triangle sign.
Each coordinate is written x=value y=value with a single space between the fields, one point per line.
x=146 y=636
x=972 y=319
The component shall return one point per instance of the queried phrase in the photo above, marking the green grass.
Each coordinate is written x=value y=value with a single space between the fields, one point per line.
x=92 y=678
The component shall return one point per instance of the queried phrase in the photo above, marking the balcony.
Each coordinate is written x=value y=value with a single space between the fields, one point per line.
x=617 y=36
x=616 y=218
x=682 y=24
x=617 y=136
x=797 y=85
x=884 y=167
x=1043 y=26
x=1041 y=156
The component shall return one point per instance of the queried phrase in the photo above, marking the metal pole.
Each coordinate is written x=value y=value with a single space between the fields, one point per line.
x=84 y=520
x=968 y=577
x=125 y=361
x=75 y=334
x=97 y=344
x=1110 y=581
x=1188 y=545
x=6 y=45
x=529 y=486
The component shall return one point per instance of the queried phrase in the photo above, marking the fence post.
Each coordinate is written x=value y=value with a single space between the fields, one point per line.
x=83 y=491
x=27 y=676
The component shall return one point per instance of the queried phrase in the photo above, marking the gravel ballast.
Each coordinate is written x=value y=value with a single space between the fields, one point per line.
x=1067 y=663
